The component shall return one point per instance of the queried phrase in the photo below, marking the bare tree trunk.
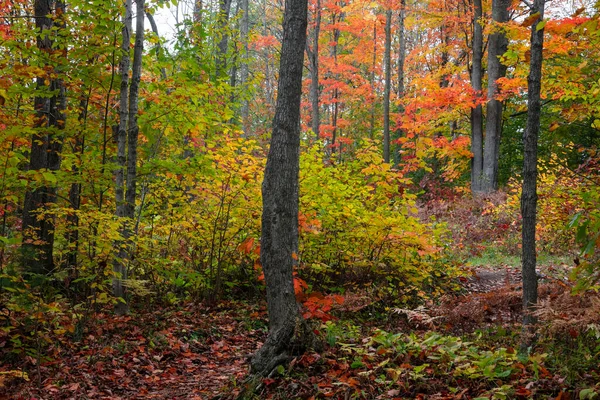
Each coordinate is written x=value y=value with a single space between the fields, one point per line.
x=75 y=189
x=477 y=112
x=133 y=128
x=38 y=234
x=497 y=46
x=401 y=47
x=334 y=53
x=529 y=194
x=279 y=241
x=244 y=32
x=127 y=138
x=223 y=21
x=119 y=264
x=372 y=82
x=234 y=64
x=197 y=17
x=401 y=61
x=313 y=59
x=387 y=62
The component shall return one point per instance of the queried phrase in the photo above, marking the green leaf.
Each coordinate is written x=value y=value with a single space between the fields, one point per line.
x=280 y=370
x=541 y=25
x=588 y=394
x=49 y=176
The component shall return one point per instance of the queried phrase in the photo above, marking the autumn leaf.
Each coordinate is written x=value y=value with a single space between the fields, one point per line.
x=530 y=20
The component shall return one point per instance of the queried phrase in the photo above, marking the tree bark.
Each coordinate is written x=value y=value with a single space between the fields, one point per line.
x=222 y=46
x=313 y=59
x=372 y=83
x=529 y=193
x=387 y=62
x=497 y=46
x=335 y=94
x=244 y=72
x=477 y=111
x=279 y=240
x=75 y=189
x=127 y=137
x=119 y=264
x=401 y=62
x=46 y=145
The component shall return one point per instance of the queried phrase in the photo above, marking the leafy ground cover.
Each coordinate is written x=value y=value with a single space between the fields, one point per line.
x=462 y=348
x=459 y=342
x=185 y=352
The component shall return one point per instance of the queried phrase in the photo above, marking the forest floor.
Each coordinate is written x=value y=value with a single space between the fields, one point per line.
x=461 y=348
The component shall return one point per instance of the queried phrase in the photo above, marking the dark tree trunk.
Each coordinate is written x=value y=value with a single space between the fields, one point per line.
x=197 y=14
x=119 y=264
x=372 y=82
x=336 y=105
x=529 y=194
x=133 y=128
x=497 y=46
x=234 y=65
x=244 y=31
x=75 y=189
x=279 y=240
x=313 y=59
x=46 y=145
x=477 y=112
x=401 y=61
x=223 y=21
x=401 y=47
x=387 y=63
x=127 y=138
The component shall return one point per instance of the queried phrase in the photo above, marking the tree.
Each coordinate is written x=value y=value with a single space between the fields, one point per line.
x=244 y=33
x=46 y=145
x=279 y=238
x=313 y=59
x=401 y=62
x=497 y=46
x=388 y=84
x=127 y=137
x=477 y=111
x=222 y=23
x=529 y=193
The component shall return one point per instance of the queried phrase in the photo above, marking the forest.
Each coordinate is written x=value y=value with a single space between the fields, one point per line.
x=299 y=199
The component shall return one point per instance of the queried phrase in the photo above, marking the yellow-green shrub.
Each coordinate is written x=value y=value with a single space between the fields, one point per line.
x=359 y=226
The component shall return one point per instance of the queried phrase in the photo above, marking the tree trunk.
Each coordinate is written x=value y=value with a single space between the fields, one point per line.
x=223 y=21
x=335 y=98
x=244 y=31
x=133 y=128
x=197 y=13
x=372 y=83
x=497 y=46
x=477 y=111
x=127 y=137
x=313 y=59
x=279 y=240
x=234 y=65
x=387 y=58
x=119 y=264
x=401 y=61
x=529 y=194
x=38 y=234
x=75 y=189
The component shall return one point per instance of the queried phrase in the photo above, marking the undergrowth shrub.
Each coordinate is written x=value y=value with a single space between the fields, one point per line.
x=472 y=223
x=359 y=228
